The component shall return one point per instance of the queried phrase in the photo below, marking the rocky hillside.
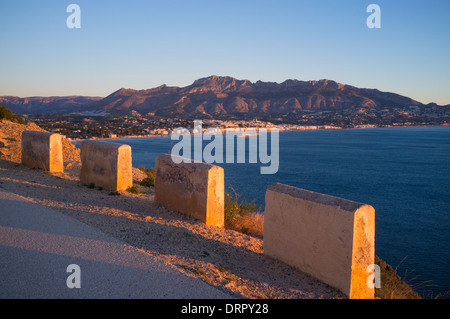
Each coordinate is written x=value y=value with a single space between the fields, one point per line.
x=11 y=139
x=217 y=96
x=11 y=149
x=221 y=96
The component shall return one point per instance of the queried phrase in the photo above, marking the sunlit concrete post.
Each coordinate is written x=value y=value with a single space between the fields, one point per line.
x=330 y=238
x=42 y=150
x=106 y=164
x=195 y=189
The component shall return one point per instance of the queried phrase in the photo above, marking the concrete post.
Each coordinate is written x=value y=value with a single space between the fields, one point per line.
x=42 y=150
x=330 y=238
x=195 y=189
x=106 y=164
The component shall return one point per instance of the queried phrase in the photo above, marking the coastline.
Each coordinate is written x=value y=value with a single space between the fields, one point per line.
x=323 y=127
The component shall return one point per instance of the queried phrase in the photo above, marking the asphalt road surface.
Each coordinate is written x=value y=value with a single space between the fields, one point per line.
x=48 y=255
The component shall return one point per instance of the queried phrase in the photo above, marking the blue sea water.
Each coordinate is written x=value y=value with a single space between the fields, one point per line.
x=404 y=173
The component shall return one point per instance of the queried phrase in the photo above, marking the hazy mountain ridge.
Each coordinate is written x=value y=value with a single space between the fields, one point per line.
x=218 y=96
x=47 y=105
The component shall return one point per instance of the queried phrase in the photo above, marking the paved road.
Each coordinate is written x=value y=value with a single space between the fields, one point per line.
x=37 y=245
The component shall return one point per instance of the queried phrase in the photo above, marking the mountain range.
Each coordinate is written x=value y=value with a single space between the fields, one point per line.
x=215 y=97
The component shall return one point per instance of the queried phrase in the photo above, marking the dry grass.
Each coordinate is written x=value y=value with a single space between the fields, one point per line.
x=250 y=224
x=243 y=216
x=392 y=285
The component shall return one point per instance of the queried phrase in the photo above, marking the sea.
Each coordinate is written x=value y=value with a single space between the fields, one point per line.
x=403 y=172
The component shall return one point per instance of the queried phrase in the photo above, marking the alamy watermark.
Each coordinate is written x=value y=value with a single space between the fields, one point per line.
x=213 y=152
x=374 y=19
x=374 y=279
x=74 y=19
x=74 y=279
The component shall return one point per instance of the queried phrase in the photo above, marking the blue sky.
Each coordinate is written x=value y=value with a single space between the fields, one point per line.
x=142 y=44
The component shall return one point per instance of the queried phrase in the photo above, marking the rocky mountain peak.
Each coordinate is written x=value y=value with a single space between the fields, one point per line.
x=221 y=96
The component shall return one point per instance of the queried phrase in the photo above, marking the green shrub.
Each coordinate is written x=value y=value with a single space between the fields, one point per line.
x=135 y=189
x=243 y=216
x=235 y=209
x=142 y=168
x=149 y=181
x=200 y=271
x=7 y=114
x=19 y=120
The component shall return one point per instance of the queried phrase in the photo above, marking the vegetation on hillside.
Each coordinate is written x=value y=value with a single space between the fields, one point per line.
x=392 y=285
x=243 y=216
x=7 y=114
x=149 y=181
x=135 y=189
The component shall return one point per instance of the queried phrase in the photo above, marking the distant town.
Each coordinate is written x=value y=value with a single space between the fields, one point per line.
x=78 y=126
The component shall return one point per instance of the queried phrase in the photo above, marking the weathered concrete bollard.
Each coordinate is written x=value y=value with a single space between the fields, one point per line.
x=195 y=189
x=107 y=165
x=42 y=150
x=330 y=238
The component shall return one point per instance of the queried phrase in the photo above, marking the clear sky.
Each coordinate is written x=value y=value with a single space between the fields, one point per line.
x=142 y=44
